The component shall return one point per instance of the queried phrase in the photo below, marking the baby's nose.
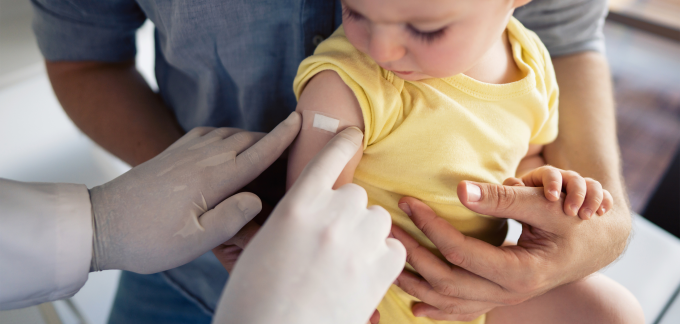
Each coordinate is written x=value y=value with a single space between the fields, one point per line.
x=384 y=46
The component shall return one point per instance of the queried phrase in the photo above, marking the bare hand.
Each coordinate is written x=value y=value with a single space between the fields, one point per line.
x=550 y=252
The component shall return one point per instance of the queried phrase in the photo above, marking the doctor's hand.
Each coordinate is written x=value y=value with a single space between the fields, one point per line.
x=553 y=249
x=321 y=257
x=179 y=205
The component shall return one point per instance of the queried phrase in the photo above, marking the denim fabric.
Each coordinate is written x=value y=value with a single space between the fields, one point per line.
x=143 y=299
x=232 y=63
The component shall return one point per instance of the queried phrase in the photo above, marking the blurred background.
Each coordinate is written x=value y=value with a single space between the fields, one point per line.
x=39 y=143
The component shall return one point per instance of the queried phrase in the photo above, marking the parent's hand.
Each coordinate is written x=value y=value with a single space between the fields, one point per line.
x=322 y=256
x=550 y=252
x=177 y=206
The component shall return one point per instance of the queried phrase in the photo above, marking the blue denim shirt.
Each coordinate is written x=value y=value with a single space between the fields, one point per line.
x=232 y=62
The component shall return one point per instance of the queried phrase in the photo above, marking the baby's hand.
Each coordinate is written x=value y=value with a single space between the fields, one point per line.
x=583 y=195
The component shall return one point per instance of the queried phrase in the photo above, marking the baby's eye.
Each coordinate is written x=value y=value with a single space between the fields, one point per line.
x=427 y=37
x=351 y=14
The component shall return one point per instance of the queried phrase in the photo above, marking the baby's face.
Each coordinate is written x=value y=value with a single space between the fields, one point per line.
x=420 y=39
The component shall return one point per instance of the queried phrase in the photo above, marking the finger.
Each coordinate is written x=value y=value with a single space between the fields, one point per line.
x=576 y=192
x=425 y=310
x=375 y=318
x=607 y=202
x=547 y=177
x=374 y=225
x=258 y=157
x=394 y=259
x=524 y=204
x=323 y=171
x=593 y=199
x=422 y=290
x=552 y=183
x=243 y=237
x=195 y=133
x=227 y=255
x=240 y=140
x=513 y=182
x=227 y=218
x=446 y=280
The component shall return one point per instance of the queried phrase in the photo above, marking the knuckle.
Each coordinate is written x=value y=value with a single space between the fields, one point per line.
x=573 y=174
x=355 y=192
x=451 y=308
x=253 y=157
x=504 y=196
x=242 y=137
x=446 y=288
x=455 y=257
x=222 y=131
x=331 y=237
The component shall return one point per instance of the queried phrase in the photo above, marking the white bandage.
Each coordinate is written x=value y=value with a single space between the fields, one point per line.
x=326 y=123
x=323 y=122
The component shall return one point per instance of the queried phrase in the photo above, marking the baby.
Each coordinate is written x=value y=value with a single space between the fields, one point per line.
x=444 y=91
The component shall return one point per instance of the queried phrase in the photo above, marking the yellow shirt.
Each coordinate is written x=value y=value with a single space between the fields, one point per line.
x=423 y=137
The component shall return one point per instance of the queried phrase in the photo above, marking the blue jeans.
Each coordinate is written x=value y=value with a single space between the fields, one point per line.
x=187 y=294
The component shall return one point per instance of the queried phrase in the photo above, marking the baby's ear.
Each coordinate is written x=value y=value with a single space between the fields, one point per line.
x=519 y=3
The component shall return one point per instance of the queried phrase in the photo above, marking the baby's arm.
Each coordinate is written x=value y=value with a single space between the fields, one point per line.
x=325 y=93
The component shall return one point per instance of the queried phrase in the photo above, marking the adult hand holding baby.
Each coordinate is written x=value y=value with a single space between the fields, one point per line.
x=554 y=249
x=322 y=256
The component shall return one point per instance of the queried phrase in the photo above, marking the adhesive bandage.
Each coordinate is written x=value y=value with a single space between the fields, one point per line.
x=322 y=122
x=326 y=123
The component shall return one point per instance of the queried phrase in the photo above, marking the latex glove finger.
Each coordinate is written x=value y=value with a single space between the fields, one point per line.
x=164 y=212
x=305 y=262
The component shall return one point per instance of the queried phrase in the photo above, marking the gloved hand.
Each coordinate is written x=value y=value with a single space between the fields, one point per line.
x=176 y=206
x=321 y=257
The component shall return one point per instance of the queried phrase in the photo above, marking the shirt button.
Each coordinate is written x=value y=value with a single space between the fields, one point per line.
x=317 y=39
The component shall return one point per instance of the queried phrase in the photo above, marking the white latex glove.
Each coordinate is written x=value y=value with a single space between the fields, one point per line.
x=321 y=257
x=176 y=206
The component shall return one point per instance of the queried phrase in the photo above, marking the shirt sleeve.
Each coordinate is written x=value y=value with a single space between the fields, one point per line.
x=546 y=131
x=566 y=26
x=80 y=30
x=376 y=90
x=45 y=242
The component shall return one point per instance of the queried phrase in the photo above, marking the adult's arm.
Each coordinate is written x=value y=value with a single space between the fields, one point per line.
x=45 y=242
x=89 y=49
x=587 y=144
x=159 y=215
x=554 y=248
x=112 y=103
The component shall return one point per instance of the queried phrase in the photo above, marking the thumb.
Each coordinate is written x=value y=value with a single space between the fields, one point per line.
x=228 y=217
x=524 y=204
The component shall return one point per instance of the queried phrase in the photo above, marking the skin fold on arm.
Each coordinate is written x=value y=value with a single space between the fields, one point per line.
x=113 y=105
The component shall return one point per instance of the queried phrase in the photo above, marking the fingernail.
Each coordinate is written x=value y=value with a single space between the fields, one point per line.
x=249 y=207
x=604 y=211
x=587 y=212
x=353 y=134
x=292 y=118
x=574 y=209
x=474 y=192
x=406 y=208
x=555 y=193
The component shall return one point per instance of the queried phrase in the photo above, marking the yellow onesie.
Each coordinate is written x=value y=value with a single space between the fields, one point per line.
x=423 y=137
